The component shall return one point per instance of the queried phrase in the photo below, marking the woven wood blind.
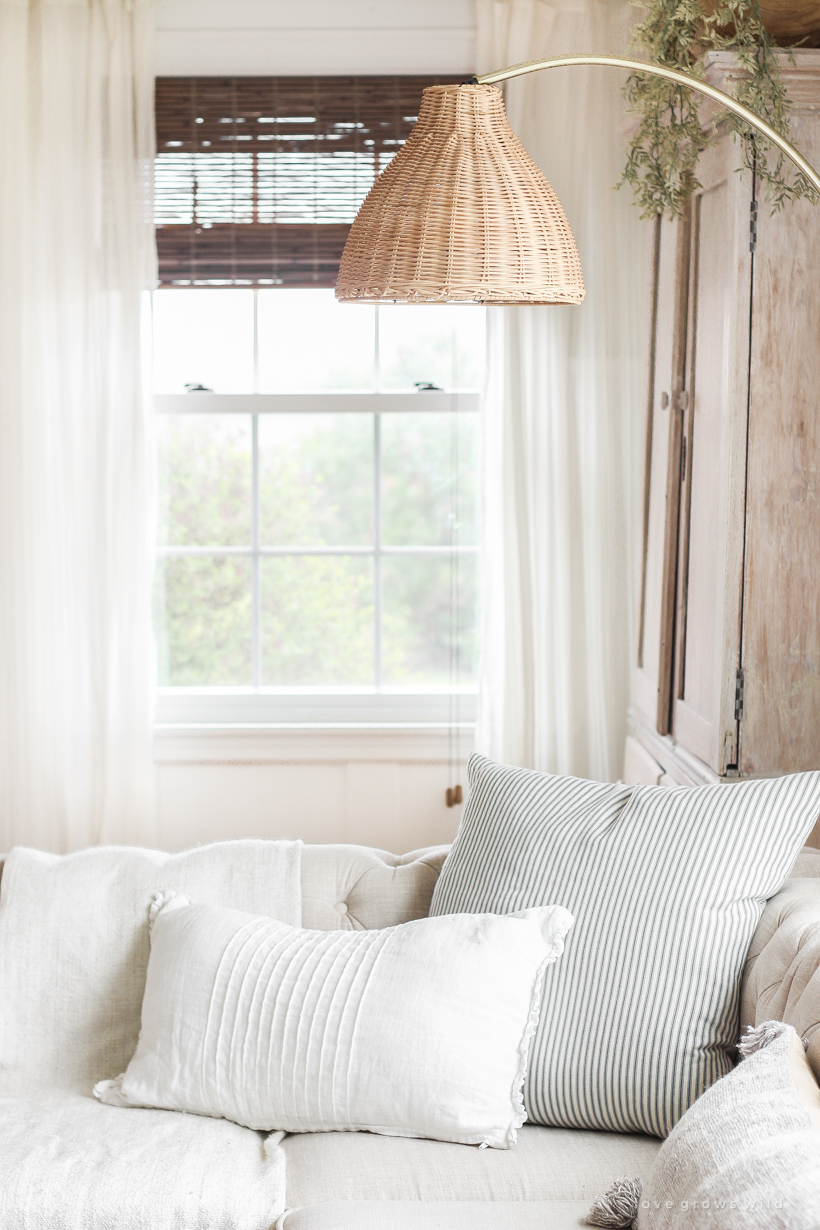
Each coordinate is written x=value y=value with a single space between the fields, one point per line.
x=259 y=178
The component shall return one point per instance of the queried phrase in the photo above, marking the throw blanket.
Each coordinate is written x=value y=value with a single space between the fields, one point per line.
x=74 y=945
x=69 y=1163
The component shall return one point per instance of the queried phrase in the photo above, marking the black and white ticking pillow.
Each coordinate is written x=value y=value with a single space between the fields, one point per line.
x=667 y=885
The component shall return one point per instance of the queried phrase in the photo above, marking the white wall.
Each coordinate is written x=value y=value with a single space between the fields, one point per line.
x=381 y=787
x=325 y=37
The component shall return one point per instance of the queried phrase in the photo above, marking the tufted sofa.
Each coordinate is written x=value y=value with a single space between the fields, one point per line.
x=338 y=1181
x=342 y=1181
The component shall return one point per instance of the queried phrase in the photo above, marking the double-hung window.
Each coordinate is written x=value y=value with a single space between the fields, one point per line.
x=318 y=524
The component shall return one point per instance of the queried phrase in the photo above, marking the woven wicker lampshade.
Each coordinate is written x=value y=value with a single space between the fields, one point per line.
x=461 y=214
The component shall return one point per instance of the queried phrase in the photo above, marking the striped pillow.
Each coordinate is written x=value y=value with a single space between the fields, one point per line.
x=666 y=886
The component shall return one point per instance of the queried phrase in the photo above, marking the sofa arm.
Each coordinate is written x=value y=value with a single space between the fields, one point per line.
x=781 y=978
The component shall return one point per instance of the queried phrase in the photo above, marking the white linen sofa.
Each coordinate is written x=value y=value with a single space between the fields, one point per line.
x=347 y=1180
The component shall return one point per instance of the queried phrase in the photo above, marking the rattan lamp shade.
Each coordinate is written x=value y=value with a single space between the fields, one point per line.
x=461 y=214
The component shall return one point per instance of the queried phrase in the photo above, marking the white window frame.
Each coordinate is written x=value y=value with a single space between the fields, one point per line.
x=317 y=706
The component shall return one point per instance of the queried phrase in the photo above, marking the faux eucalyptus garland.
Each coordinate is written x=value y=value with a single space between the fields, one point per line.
x=664 y=151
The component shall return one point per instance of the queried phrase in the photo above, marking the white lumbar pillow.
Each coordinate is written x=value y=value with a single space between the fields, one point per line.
x=417 y=1030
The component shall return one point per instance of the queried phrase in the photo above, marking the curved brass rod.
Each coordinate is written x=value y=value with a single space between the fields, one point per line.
x=671 y=74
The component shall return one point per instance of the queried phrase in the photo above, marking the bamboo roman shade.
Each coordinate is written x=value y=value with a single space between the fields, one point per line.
x=258 y=179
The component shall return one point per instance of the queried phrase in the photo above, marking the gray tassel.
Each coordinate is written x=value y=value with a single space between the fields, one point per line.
x=617 y=1209
x=759 y=1036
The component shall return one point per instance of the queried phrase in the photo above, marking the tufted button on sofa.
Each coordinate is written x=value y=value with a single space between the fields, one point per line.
x=355 y=888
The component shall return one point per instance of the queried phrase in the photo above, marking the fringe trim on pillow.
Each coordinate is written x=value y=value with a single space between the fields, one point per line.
x=110 y=1092
x=560 y=925
x=158 y=903
x=759 y=1036
x=617 y=1209
x=519 y=1110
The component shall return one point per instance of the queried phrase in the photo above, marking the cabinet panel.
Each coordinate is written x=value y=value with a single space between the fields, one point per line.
x=780 y=730
x=713 y=464
x=702 y=589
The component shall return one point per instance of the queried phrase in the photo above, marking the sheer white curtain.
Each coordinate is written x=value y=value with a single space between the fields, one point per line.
x=563 y=417
x=76 y=252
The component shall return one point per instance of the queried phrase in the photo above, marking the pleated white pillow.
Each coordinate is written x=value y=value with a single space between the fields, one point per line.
x=417 y=1030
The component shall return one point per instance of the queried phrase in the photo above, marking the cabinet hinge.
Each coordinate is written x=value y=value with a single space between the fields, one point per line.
x=739 y=684
x=753 y=226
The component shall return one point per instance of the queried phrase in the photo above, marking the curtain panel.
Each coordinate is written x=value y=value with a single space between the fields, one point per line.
x=77 y=255
x=563 y=417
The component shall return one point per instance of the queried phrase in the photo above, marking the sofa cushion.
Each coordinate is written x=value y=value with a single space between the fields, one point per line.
x=68 y=1163
x=546 y=1164
x=667 y=886
x=355 y=888
x=438 y=1215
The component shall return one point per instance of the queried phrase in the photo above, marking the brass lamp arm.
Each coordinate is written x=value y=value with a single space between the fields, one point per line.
x=671 y=74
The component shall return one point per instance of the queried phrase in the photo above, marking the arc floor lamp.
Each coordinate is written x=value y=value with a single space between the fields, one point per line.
x=463 y=214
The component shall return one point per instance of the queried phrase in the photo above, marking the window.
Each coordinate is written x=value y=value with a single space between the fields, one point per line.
x=317 y=539
x=318 y=526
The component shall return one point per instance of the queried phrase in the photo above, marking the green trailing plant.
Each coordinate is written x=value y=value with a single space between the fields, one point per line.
x=664 y=151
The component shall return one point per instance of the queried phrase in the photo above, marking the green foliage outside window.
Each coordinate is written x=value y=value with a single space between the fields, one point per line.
x=316 y=488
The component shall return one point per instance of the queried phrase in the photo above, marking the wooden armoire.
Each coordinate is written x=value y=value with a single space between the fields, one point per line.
x=726 y=682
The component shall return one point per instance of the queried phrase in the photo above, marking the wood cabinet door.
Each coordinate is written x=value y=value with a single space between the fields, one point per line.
x=708 y=581
x=780 y=728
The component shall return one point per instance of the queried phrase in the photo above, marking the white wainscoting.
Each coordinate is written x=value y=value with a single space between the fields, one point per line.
x=323 y=37
x=371 y=786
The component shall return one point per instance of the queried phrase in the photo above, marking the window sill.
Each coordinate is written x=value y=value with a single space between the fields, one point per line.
x=297 y=725
x=327 y=708
x=296 y=743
